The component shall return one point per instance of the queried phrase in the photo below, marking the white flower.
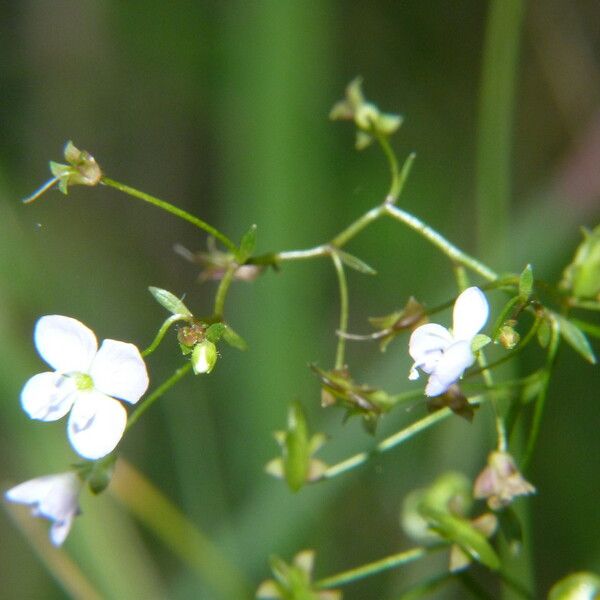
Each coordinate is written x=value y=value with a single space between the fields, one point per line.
x=445 y=354
x=84 y=382
x=55 y=497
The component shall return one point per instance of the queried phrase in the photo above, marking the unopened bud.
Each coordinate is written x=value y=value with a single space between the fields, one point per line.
x=508 y=337
x=204 y=357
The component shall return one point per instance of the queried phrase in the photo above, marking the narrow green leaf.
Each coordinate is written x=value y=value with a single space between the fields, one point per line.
x=355 y=263
x=576 y=339
x=461 y=532
x=526 y=283
x=247 y=245
x=234 y=339
x=169 y=301
x=593 y=330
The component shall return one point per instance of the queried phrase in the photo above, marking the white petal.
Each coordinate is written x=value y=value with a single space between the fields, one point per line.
x=48 y=396
x=96 y=424
x=450 y=367
x=32 y=491
x=119 y=370
x=427 y=344
x=471 y=311
x=60 y=530
x=64 y=343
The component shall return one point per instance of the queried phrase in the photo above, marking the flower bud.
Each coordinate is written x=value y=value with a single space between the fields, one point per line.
x=204 y=357
x=508 y=337
x=500 y=482
x=582 y=276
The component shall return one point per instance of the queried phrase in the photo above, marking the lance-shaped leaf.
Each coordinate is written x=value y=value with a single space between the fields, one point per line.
x=297 y=465
x=234 y=339
x=462 y=532
x=355 y=263
x=247 y=245
x=169 y=301
x=575 y=338
x=526 y=284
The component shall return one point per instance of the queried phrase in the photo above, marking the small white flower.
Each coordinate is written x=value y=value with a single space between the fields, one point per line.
x=445 y=354
x=55 y=497
x=84 y=382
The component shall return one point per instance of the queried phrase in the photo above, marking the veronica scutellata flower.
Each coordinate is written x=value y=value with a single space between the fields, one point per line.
x=85 y=381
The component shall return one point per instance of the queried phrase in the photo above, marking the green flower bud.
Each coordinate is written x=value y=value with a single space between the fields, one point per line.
x=582 y=276
x=204 y=357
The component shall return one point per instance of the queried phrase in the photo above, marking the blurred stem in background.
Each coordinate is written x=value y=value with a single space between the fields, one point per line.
x=494 y=179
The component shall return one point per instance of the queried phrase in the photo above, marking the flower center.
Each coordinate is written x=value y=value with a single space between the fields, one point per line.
x=83 y=381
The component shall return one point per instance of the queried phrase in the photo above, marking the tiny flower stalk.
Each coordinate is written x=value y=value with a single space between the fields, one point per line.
x=297 y=465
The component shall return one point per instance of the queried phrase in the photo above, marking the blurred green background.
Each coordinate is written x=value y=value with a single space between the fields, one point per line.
x=221 y=107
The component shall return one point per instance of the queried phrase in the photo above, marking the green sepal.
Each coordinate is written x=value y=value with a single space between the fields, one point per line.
x=544 y=333
x=460 y=531
x=215 y=332
x=234 y=339
x=526 y=284
x=355 y=263
x=169 y=301
x=247 y=245
x=575 y=338
x=101 y=474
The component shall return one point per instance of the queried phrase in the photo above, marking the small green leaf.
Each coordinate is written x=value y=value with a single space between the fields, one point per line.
x=526 y=284
x=169 y=301
x=215 y=332
x=234 y=339
x=576 y=339
x=543 y=333
x=461 y=532
x=355 y=263
x=247 y=245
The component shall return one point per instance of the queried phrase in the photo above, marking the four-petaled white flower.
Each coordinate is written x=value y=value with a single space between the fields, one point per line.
x=55 y=497
x=443 y=354
x=86 y=382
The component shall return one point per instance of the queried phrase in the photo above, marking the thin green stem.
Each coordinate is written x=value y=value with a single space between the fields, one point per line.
x=449 y=249
x=541 y=399
x=345 y=236
x=394 y=440
x=290 y=255
x=378 y=566
x=223 y=289
x=343 y=327
x=162 y=332
x=178 y=212
x=157 y=393
x=392 y=159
